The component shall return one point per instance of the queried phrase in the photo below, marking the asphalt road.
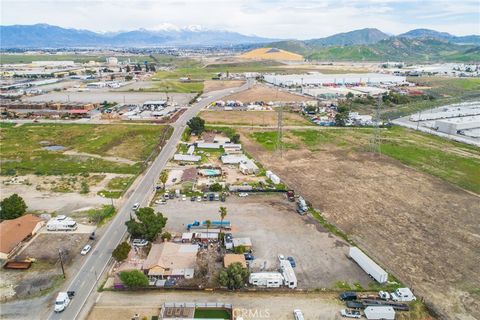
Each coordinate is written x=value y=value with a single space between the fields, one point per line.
x=84 y=282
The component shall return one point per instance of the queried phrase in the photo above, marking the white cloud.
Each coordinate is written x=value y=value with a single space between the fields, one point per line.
x=299 y=19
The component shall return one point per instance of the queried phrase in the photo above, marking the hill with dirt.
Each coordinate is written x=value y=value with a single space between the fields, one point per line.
x=271 y=54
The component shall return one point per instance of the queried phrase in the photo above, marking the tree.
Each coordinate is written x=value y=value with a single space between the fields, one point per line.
x=128 y=78
x=152 y=68
x=349 y=95
x=235 y=138
x=163 y=178
x=208 y=224
x=121 y=251
x=148 y=226
x=134 y=279
x=216 y=187
x=240 y=249
x=233 y=277
x=223 y=213
x=127 y=69
x=166 y=236
x=196 y=125
x=12 y=207
x=342 y=116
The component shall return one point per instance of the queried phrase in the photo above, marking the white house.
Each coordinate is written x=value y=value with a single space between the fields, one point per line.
x=233 y=158
x=248 y=167
x=186 y=157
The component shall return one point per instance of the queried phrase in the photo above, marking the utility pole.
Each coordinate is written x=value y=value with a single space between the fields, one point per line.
x=61 y=262
x=375 y=141
x=280 y=131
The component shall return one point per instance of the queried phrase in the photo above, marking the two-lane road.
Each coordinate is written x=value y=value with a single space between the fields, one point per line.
x=84 y=282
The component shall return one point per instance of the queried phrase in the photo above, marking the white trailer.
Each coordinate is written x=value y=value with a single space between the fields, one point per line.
x=368 y=265
x=403 y=295
x=61 y=223
x=266 y=279
x=379 y=313
x=289 y=277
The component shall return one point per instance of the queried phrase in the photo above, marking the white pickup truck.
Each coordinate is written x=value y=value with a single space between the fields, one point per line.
x=63 y=299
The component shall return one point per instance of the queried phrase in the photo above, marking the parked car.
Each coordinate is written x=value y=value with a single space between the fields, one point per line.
x=199 y=198
x=384 y=295
x=86 y=249
x=165 y=196
x=348 y=296
x=139 y=242
x=249 y=256
x=161 y=201
x=211 y=197
x=184 y=197
x=136 y=206
x=92 y=236
x=243 y=194
x=205 y=197
x=292 y=262
x=174 y=179
x=171 y=195
x=192 y=198
x=348 y=313
x=297 y=313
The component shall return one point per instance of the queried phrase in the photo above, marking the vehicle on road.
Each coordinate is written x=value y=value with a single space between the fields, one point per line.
x=136 y=206
x=292 y=262
x=86 y=249
x=243 y=194
x=347 y=313
x=298 y=315
x=139 y=242
x=63 y=299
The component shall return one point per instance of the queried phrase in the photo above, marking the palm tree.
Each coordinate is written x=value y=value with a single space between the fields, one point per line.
x=223 y=214
x=164 y=178
x=208 y=224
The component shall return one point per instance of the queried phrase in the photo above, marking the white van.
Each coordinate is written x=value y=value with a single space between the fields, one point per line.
x=62 y=301
x=297 y=313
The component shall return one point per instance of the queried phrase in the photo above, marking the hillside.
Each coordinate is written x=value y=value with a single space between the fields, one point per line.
x=271 y=54
x=362 y=36
x=427 y=33
x=400 y=49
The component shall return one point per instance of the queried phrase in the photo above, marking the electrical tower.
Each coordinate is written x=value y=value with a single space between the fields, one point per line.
x=280 y=131
x=375 y=140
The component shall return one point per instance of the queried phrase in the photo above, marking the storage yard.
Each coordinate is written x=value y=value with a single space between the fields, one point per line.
x=415 y=225
x=255 y=118
x=266 y=94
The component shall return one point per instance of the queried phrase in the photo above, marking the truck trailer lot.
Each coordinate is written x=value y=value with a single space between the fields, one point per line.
x=275 y=228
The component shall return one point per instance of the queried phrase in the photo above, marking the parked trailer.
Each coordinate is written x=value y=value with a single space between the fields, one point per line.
x=379 y=313
x=394 y=305
x=61 y=223
x=368 y=265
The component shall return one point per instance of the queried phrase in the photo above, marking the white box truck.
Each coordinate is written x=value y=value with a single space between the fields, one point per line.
x=368 y=265
x=62 y=301
x=379 y=313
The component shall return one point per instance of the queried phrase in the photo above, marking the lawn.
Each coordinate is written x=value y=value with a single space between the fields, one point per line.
x=451 y=161
x=211 y=314
x=22 y=148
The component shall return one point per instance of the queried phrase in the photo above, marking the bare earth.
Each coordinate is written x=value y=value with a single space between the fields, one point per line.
x=256 y=118
x=213 y=85
x=266 y=94
x=420 y=228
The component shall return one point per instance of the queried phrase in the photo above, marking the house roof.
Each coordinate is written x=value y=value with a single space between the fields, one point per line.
x=190 y=174
x=230 y=258
x=14 y=231
x=170 y=256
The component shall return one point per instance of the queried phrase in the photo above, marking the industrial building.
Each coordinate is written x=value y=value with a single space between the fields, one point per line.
x=319 y=79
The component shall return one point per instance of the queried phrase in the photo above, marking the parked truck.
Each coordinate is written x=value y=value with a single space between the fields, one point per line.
x=368 y=265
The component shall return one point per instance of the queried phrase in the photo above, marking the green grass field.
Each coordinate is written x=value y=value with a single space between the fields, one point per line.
x=22 y=147
x=451 y=161
x=211 y=314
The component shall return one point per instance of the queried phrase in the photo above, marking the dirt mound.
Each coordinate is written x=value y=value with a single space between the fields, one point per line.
x=271 y=54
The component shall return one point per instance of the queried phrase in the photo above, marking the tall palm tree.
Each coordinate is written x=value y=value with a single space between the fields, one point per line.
x=164 y=178
x=223 y=214
x=208 y=224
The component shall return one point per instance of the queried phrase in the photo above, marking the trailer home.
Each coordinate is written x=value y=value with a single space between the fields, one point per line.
x=379 y=313
x=61 y=223
x=266 y=279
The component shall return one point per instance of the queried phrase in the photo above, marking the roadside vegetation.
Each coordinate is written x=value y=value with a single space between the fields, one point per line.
x=81 y=148
x=454 y=162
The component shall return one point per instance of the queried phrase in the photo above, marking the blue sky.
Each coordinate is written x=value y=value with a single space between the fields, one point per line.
x=300 y=19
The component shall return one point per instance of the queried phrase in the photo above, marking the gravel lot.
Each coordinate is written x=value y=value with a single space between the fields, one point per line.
x=275 y=228
x=268 y=306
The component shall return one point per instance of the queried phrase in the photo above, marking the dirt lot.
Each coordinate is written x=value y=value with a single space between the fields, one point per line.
x=422 y=229
x=257 y=118
x=278 y=221
x=266 y=94
x=213 y=85
x=269 y=306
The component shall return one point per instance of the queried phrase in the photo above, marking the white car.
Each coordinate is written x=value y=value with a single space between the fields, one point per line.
x=161 y=201
x=297 y=313
x=136 y=206
x=243 y=194
x=281 y=257
x=139 y=242
x=184 y=197
x=348 y=313
x=86 y=249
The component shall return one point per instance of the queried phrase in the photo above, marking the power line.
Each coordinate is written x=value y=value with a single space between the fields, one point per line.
x=375 y=140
